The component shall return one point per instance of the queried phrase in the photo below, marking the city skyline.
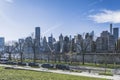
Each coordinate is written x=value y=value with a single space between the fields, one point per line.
x=18 y=18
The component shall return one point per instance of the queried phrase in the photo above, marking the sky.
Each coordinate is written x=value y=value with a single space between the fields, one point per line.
x=18 y=18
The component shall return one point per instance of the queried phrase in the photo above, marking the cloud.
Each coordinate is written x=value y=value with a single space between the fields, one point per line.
x=52 y=28
x=95 y=2
x=9 y=1
x=106 y=16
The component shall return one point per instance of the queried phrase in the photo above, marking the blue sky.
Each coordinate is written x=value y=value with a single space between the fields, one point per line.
x=18 y=18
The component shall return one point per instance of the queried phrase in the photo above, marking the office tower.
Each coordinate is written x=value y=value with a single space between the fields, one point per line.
x=77 y=41
x=92 y=35
x=116 y=33
x=86 y=35
x=105 y=35
x=37 y=42
x=66 y=44
x=21 y=40
x=61 y=38
x=105 y=43
x=28 y=50
x=111 y=43
x=50 y=42
x=45 y=46
x=111 y=29
x=99 y=44
x=2 y=41
x=61 y=43
x=37 y=34
x=50 y=39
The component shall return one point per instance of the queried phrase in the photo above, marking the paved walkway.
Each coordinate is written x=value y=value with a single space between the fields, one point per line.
x=95 y=75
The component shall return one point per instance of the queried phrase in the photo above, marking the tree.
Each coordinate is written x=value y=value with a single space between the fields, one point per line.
x=66 y=48
x=20 y=45
x=35 y=45
x=82 y=44
x=71 y=48
x=51 y=52
x=10 y=48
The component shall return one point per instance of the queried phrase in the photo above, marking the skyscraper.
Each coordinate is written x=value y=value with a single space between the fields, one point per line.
x=111 y=43
x=61 y=43
x=45 y=46
x=37 y=34
x=37 y=38
x=51 y=40
x=2 y=41
x=116 y=33
x=111 y=29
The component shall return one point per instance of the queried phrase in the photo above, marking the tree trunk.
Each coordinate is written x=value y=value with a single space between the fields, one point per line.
x=34 y=60
x=71 y=59
x=59 y=58
x=21 y=57
x=48 y=58
x=10 y=56
x=83 y=59
x=55 y=56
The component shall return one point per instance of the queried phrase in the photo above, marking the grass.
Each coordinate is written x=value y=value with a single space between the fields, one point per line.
x=111 y=66
x=107 y=74
x=10 y=74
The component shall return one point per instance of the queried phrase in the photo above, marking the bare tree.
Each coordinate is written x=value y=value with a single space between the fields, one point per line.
x=72 y=48
x=20 y=45
x=33 y=43
x=82 y=44
x=51 y=51
x=10 y=48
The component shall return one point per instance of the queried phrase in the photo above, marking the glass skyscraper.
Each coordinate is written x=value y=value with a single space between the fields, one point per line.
x=116 y=33
x=37 y=33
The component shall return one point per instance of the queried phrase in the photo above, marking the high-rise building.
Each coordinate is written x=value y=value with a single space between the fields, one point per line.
x=37 y=38
x=105 y=36
x=105 y=43
x=99 y=44
x=2 y=41
x=111 y=43
x=66 y=44
x=111 y=29
x=116 y=33
x=45 y=46
x=37 y=34
x=61 y=43
x=92 y=35
x=88 y=41
x=28 y=50
x=21 y=40
x=51 y=41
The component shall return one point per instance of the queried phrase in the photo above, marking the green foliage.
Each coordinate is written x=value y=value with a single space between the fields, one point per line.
x=10 y=74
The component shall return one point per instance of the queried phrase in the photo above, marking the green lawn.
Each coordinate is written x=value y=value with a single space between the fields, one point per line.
x=9 y=74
